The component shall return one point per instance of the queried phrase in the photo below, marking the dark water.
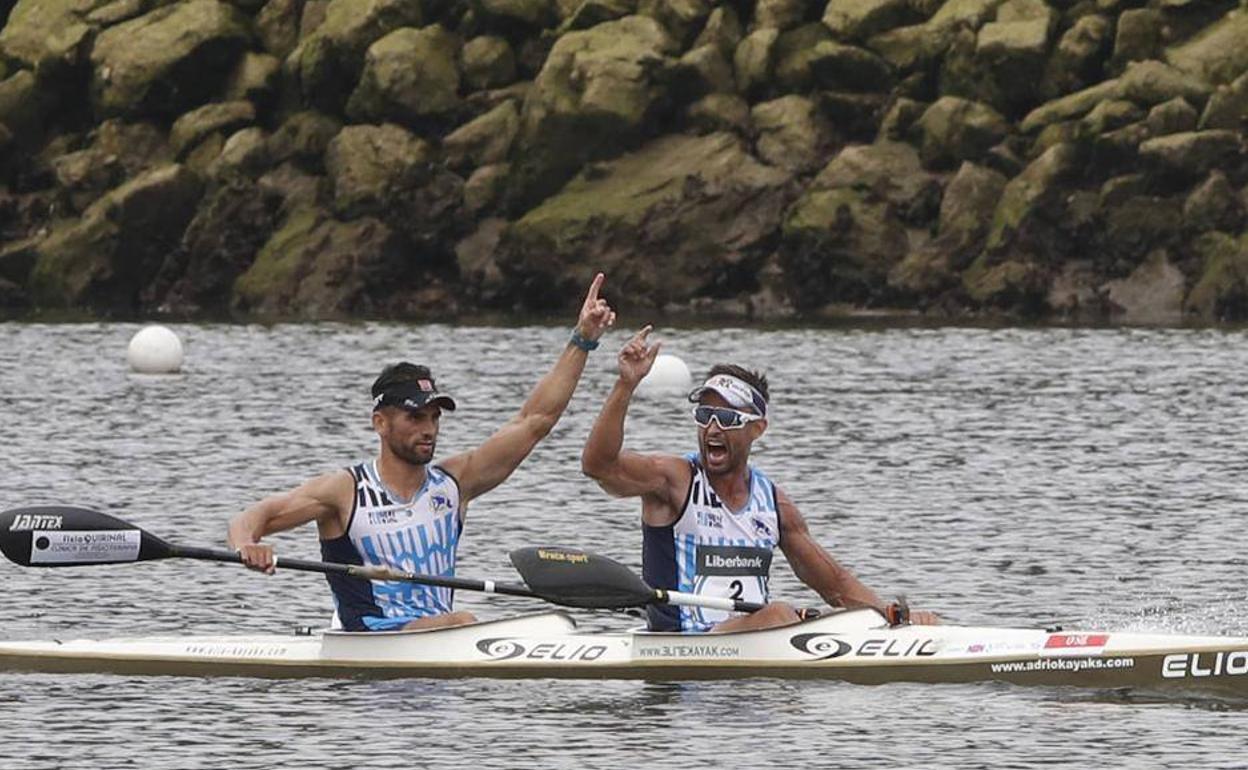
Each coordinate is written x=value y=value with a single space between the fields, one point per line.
x=1003 y=477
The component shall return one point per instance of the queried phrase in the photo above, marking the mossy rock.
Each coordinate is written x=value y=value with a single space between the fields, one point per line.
x=855 y=20
x=954 y=130
x=168 y=60
x=329 y=61
x=1221 y=289
x=1228 y=107
x=1217 y=55
x=792 y=133
x=190 y=129
x=371 y=166
x=680 y=217
x=754 y=60
x=316 y=267
x=410 y=77
x=886 y=171
x=104 y=260
x=485 y=140
x=488 y=62
x=838 y=67
x=597 y=95
x=1027 y=194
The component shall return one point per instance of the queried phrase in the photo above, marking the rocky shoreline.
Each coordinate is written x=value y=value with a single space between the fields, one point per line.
x=1077 y=160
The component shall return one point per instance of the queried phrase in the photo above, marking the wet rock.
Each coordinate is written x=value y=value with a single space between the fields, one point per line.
x=1217 y=55
x=954 y=130
x=316 y=267
x=1138 y=225
x=1213 y=205
x=962 y=226
x=475 y=256
x=598 y=94
x=104 y=260
x=1220 y=292
x=682 y=217
x=329 y=61
x=912 y=48
x=1228 y=107
x=1151 y=294
x=1118 y=189
x=485 y=140
x=138 y=147
x=196 y=125
x=166 y=61
x=854 y=20
x=487 y=62
x=753 y=61
x=231 y=224
x=792 y=134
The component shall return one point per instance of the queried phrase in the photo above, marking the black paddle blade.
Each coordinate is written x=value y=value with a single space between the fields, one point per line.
x=574 y=578
x=65 y=536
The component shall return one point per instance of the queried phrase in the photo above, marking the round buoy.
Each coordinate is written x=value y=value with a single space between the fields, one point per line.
x=668 y=375
x=155 y=350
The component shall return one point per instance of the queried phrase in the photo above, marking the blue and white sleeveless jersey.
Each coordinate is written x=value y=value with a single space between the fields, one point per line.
x=420 y=535
x=712 y=551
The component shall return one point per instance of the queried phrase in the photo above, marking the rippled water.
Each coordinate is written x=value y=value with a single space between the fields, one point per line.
x=1025 y=477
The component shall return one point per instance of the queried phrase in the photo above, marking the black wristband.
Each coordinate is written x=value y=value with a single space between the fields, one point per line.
x=581 y=342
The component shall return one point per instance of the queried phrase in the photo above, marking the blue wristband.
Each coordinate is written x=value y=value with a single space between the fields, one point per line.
x=581 y=342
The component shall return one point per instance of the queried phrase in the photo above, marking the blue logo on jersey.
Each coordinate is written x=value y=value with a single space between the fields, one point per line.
x=761 y=528
x=440 y=503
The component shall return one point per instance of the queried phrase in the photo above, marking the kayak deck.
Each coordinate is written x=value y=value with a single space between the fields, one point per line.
x=853 y=646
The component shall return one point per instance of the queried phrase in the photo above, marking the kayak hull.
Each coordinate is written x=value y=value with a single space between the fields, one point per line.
x=855 y=646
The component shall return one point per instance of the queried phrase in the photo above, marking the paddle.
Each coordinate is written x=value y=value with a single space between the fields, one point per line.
x=584 y=579
x=67 y=536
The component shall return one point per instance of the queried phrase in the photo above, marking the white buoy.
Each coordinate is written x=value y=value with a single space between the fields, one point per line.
x=155 y=350
x=668 y=375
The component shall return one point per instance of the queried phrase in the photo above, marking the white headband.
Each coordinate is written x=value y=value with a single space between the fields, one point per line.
x=735 y=391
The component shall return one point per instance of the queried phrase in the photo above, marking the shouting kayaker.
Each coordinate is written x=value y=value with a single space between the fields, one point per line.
x=402 y=511
x=710 y=520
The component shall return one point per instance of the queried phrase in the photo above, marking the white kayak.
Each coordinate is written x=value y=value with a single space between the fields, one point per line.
x=855 y=646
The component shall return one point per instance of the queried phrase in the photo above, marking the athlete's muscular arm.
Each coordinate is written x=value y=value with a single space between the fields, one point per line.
x=660 y=480
x=480 y=470
x=815 y=567
x=325 y=499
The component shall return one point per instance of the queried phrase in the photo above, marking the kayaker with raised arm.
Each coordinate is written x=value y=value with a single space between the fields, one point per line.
x=401 y=510
x=710 y=520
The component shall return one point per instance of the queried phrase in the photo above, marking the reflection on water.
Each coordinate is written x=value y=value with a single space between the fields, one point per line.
x=1003 y=477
